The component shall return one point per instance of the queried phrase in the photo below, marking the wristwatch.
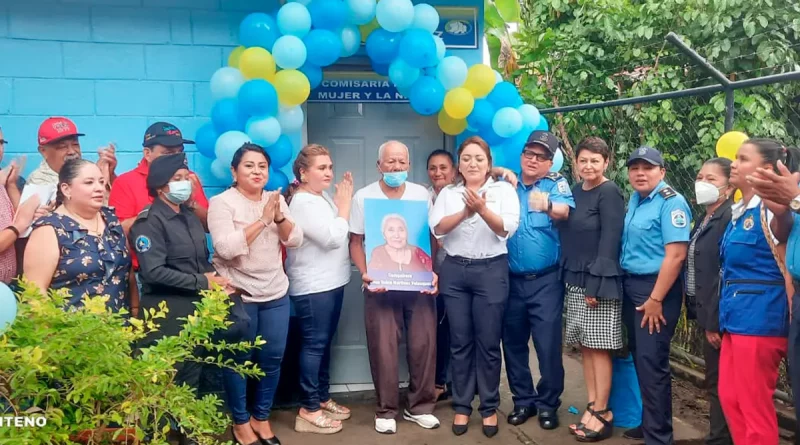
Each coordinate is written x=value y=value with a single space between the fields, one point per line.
x=549 y=205
x=794 y=204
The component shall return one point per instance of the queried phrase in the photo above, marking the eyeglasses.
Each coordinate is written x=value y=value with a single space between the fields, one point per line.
x=3 y=142
x=538 y=156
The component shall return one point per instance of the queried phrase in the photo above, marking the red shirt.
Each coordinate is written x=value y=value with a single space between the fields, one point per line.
x=129 y=195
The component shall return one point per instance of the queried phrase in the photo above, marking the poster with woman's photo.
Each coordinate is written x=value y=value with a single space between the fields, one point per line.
x=398 y=244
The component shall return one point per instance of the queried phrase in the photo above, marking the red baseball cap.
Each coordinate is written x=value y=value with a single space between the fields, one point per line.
x=57 y=128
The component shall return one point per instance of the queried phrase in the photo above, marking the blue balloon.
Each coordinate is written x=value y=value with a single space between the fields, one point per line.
x=289 y=51
x=221 y=170
x=491 y=138
x=504 y=94
x=403 y=75
x=404 y=91
x=280 y=152
x=294 y=20
x=425 y=17
x=291 y=119
x=277 y=179
x=394 y=15
x=258 y=97
x=452 y=72
x=328 y=14
x=228 y=143
x=507 y=122
x=383 y=46
x=324 y=47
x=226 y=116
x=8 y=307
x=418 y=48
x=441 y=48
x=313 y=73
x=481 y=115
x=499 y=156
x=225 y=83
x=205 y=139
x=360 y=12
x=258 y=29
x=263 y=131
x=543 y=125
x=351 y=40
x=530 y=115
x=380 y=68
x=558 y=161
x=514 y=145
x=427 y=96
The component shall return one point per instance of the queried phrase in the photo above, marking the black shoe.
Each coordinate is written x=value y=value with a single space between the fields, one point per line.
x=606 y=431
x=236 y=441
x=460 y=430
x=634 y=433
x=490 y=430
x=271 y=441
x=548 y=420
x=521 y=415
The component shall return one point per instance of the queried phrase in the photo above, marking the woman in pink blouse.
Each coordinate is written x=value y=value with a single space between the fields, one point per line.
x=248 y=226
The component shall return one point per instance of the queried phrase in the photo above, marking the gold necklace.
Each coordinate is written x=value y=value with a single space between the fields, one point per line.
x=83 y=222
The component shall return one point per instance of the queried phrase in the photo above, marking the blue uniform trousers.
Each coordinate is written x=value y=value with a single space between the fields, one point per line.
x=651 y=354
x=535 y=306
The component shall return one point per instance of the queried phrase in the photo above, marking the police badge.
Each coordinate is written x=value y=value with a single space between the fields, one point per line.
x=748 y=223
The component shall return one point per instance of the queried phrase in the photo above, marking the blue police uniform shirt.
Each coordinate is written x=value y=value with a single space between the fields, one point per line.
x=793 y=249
x=535 y=246
x=651 y=223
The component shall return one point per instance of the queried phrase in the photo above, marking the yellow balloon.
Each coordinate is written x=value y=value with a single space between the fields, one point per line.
x=737 y=196
x=367 y=29
x=729 y=143
x=451 y=126
x=292 y=86
x=480 y=80
x=236 y=54
x=257 y=63
x=458 y=103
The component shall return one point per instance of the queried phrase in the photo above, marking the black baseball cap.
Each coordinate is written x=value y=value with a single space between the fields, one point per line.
x=545 y=139
x=648 y=154
x=163 y=168
x=164 y=133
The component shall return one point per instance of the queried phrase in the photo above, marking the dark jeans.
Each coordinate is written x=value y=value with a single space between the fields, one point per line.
x=718 y=433
x=318 y=315
x=269 y=320
x=475 y=294
x=442 y=343
x=535 y=308
x=793 y=358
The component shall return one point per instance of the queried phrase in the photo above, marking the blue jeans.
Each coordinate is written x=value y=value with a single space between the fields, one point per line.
x=318 y=315
x=270 y=320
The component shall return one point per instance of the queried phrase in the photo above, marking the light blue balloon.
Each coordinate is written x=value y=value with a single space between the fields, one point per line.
x=258 y=29
x=403 y=75
x=294 y=19
x=351 y=40
x=221 y=170
x=302 y=2
x=418 y=48
x=360 y=12
x=225 y=83
x=280 y=152
x=427 y=96
x=291 y=119
x=507 y=122
x=205 y=139
x=530 y=115
x=277 y=179
x=383 y=46
x=263 y=130
x=289 y=51
x=228 y=143
x=452 y=72
x=324 y=47
x=8 y=307
x=313 y=73
x=441 y=48
x=558 y=161
x=543 y=125
x=328 y=14
x=394 y=15
x=425 y=17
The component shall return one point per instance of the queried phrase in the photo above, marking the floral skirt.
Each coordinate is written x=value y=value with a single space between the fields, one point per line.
x=595 y=328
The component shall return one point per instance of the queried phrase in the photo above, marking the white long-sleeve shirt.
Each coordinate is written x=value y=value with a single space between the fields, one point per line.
x=322 y=262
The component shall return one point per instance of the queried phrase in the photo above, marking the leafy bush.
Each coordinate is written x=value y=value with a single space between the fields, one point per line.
x=81 y=371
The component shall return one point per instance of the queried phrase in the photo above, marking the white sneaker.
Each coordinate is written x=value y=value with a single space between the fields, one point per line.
x=428 y=421
x=385 y=426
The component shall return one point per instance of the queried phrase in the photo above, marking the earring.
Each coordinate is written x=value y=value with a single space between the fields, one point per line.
x=303 y=179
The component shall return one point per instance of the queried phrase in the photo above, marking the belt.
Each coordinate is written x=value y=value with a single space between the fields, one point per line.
x=534 y=275
x=475 y=261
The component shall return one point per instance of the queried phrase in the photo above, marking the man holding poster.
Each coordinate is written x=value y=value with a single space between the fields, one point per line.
x=393 y=215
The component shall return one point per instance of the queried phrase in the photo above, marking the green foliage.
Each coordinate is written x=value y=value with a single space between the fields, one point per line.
x=80 y=370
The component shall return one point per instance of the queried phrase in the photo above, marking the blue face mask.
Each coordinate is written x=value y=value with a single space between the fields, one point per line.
x=179 y=192
x=395 y=179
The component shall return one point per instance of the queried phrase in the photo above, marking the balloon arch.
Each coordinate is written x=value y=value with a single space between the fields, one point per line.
x=258 y=96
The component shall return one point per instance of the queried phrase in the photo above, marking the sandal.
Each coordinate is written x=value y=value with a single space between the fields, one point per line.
x=444 y=393
x=577 y=426
x=596 y=436
x=322 y=424
x=336 y=411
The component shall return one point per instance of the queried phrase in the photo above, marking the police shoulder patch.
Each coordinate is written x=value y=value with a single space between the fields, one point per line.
x=142 y=244
x=143 y=214
x=563 y=187
x=555 y=176
x=678 y=217
x=668 y=192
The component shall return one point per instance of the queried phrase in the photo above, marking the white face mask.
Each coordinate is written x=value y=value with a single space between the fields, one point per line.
x=706 y=193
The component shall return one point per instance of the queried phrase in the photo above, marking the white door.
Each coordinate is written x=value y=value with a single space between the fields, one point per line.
x=353 y=132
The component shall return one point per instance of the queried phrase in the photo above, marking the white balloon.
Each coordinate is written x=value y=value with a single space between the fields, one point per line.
x=291 y=119
x=225 y=83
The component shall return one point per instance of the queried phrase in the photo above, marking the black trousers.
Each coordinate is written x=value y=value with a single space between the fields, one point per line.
x=718 y=433
x=651 y=354
x=475 y=294
x=442 y=343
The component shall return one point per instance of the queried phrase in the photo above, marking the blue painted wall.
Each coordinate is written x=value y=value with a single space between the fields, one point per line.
x=116 y=66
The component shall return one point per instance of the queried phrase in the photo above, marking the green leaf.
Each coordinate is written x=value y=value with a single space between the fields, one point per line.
x=509 y=10
x=491 y=16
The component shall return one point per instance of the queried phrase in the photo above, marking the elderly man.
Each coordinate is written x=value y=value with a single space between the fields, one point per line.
x=386 y=312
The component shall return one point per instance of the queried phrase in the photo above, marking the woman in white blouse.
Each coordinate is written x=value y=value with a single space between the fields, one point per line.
x=474 y=218
x=318 y=271
x=248 y=226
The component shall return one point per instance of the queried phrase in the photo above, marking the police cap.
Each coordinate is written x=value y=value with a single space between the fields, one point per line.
x=163 y=168
x=544 y=138
x=647 y=154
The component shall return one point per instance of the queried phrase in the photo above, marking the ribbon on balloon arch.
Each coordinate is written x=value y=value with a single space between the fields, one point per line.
x=258 y=96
